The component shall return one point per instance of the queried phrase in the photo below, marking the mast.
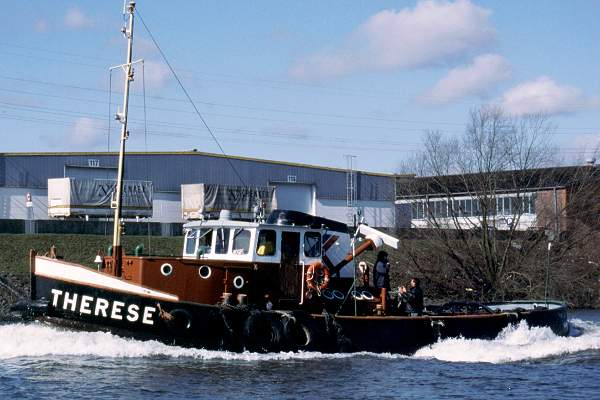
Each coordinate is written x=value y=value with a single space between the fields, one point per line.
x=122 y=118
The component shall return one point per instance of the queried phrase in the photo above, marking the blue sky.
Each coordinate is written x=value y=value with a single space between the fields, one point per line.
x=305 y=81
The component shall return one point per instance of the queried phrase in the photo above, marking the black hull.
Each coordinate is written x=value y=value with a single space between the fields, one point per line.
x=408 y=334
x=230 y=328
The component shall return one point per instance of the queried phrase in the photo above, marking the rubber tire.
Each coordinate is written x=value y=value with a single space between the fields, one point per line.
x=182 y=322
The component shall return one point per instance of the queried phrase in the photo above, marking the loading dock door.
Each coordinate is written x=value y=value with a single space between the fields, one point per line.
x=296 y=197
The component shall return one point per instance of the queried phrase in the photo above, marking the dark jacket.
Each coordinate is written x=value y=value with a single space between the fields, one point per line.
x=381 y=275
x=413 y=299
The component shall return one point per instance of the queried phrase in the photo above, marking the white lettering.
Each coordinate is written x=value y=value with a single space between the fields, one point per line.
x=70 y=301
x=132 y=313
x=147 y=319
x=116 y=310
x=84 y=307
x=55 y=294
x=101 y=305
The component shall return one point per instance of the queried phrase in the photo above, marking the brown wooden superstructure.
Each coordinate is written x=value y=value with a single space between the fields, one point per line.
x=238 y=267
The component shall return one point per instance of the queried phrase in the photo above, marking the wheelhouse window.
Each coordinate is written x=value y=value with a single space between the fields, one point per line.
x=222 y=241
x=266 y=243
x=312 y=244
x=204 y=241
x=190 y=241
x=241 y=241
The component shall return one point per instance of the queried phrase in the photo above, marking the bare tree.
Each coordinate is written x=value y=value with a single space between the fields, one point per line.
x=484 y=202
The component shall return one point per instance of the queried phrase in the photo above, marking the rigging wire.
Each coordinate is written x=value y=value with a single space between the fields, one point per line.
x=109 y=110
x=164 y=57
x=333 y=143
x=241 y=106
x=57 y=111
x=106 y=222
x=261 y=81
x=244 y=117
x=406 y=147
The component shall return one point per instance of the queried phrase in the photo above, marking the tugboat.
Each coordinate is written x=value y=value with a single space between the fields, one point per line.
x=285 y=282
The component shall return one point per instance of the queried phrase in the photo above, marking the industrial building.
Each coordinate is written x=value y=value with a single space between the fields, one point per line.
x=328 y=192
x=537 y=199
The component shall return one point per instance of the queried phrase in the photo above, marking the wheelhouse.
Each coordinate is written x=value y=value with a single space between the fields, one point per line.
x=251 y=242
x=283 y=238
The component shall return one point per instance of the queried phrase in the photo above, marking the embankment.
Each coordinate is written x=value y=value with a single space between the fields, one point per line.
x=14 y=256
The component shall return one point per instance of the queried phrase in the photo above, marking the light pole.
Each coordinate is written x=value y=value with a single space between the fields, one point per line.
x=550 y=236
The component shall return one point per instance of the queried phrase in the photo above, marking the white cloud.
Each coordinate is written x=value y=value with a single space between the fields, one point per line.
x=433 y=31
x=473 y=79
x=86 y=133
x=157 y=74
x=545 y=96
x=75 y=19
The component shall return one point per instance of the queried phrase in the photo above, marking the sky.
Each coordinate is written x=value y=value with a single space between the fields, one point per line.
x=299 y=81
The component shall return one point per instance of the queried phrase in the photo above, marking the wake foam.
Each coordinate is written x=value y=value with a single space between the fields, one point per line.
x=515 y=343
x=41 y=340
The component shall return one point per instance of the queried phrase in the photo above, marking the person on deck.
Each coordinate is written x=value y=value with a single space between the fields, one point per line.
x=412 y=298
x=363 y=268
x=265 y=246
x=381 y=277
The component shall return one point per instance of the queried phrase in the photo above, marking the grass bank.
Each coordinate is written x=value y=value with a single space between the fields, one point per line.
x=14 y=249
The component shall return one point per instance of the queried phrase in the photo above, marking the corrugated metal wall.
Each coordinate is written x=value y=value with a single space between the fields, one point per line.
x=2 y=170
x=169 y=170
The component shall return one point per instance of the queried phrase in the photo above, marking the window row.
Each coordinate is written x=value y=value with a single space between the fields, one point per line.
x=502 y=205
x=239 y=238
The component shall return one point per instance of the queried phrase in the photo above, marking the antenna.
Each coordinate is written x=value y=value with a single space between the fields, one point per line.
x=350 y=188
x=116 y=202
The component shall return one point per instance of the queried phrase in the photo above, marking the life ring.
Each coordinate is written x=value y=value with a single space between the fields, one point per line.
x=317 y=276
x=357 y=295
x=367 y=295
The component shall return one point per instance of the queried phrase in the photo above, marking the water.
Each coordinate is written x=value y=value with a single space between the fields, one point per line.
x=40 y=361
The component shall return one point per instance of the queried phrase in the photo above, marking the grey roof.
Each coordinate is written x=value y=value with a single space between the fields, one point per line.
x=501 y=181
x=169 y=170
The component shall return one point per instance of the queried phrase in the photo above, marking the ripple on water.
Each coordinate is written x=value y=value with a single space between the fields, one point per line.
x=38 y=360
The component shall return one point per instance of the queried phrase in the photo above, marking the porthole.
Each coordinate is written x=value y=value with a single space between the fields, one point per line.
x=204 y=271
x=238 y=282
x=166 y=269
